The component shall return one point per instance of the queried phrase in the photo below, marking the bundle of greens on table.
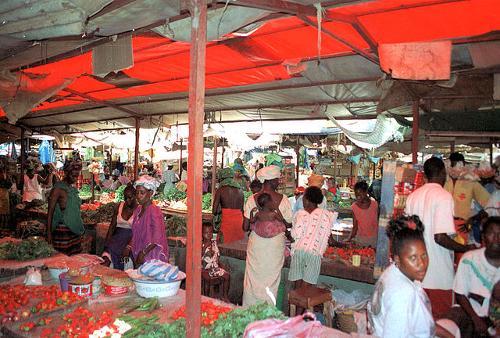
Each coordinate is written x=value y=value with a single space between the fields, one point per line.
x=28 y=249
x=174 y=194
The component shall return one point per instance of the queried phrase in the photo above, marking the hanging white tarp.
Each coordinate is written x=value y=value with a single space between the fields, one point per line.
x=385 y=130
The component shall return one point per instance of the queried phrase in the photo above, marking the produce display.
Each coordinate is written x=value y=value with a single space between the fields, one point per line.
x=120 y=193
x=217 y=321
x=85 y=192
x=79 y=323
x=210 y=312
x=107 y=197
x=176 y=227
x=97 y=212
x=206 y=202
x=20 y=301
x=174 y=194
x=246 y=195
x=25 y=250
x=345 y=254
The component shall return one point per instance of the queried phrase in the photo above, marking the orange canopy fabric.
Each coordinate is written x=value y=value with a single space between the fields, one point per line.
x=258 y=58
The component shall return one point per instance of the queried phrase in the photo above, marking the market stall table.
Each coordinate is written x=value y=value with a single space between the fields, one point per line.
x=183 y=213
x=329 y=267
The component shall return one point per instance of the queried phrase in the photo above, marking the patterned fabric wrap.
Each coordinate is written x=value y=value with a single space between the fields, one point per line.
x=225 y=173
x=268 y=173
x=159 y=270
x=148 y=182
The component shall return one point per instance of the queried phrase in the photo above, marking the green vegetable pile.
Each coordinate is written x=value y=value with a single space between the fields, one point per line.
x=232 y=324
x=103 y=214
x=176 y=226
x=148 y=305
x=28 y=249
x=206 y=201
x=85 y=192
x=173 y=194
x=246 y=195
x=119 y=193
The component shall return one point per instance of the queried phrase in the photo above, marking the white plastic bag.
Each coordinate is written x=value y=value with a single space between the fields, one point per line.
x=296 y=327
x=33 y=277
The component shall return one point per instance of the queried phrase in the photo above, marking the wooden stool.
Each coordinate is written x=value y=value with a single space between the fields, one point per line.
x=308 y=297
x=208 y=285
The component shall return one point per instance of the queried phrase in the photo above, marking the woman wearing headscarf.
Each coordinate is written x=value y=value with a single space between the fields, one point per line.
x=64 y=222
x=240 y=174
x=149 y=240
x=265 y=255
x=312 y=181
x=228 y=204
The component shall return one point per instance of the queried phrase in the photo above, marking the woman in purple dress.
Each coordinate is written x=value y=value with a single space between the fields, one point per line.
x=149 y=240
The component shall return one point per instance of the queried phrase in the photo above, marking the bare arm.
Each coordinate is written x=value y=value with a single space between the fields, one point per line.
x=479 y=324
x=112 y=226
x=216 y=203
x=355 y=227
x=55 y=194
x=45 y=180
x=441 y=332
x=446 y=242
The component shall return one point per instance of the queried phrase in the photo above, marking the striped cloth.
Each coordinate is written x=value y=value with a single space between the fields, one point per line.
x=159 y=270
x=305 y=266
x=65 y=241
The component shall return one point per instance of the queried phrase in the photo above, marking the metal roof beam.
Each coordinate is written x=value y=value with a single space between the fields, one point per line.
x=215 y=93
x=292 y=8
x=105 y=103
x=208 y=109
x=355 y=48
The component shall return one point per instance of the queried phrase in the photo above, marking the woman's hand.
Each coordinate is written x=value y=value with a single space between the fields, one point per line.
x=140 y=259
x=126 y=252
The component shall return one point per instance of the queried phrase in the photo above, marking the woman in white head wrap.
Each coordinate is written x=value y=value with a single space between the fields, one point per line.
x=149 y=239
x=265 y=255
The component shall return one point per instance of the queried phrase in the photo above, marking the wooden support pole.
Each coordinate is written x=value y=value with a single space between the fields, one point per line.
x=214 y=166
x=452 y=147
x=198 y=10
x=23 y=157
x=136 y=152
x=491 y=151
x=180 y=161
x=414 y=132
x=223 y=154
x=297 y=154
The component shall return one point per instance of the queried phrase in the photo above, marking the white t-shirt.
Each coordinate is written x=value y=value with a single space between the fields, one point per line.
x=475 y=275
x=434 y=206
x=400 y=307
x=493 y=206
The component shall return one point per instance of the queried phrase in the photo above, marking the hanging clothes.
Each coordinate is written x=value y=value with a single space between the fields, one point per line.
x=46 y=152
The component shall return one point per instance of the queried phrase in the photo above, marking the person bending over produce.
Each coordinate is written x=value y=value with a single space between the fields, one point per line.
x=149 y=240
x=64 y=220
x=228 y=203
x=365 y=217
x=311 y=231
x=399 y=306
x=120 y=230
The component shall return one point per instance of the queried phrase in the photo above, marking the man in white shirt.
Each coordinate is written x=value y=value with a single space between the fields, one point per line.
x=477 y=273
x=434 y=206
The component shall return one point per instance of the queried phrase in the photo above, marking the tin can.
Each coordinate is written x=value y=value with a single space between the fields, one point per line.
x=356 y=260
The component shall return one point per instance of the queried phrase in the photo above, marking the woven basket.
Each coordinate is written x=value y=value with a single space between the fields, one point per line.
x=345 y=321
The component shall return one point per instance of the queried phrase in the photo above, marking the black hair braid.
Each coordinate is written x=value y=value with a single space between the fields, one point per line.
x=402 y=230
